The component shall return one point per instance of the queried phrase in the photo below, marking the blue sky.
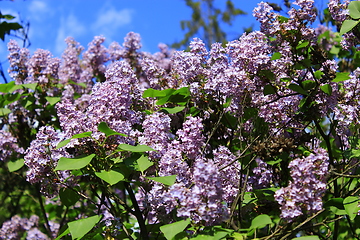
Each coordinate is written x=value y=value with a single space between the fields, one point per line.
x=51 y=21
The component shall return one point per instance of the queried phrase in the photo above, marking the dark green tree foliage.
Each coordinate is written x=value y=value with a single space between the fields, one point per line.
x=206 y=21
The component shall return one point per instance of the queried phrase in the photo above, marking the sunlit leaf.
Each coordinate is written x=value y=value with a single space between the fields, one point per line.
x=354 y=9
x=80 y=227
x=4 y=111
x=16 y=165
x=347 y=26
x=341 y=76
x=260 y=221
x=351 y=206
x=307 y=238
x=170 y=230
x=104 y=128
x=326 y=89
x=53 y=100
x=144 y=163
x=138 y=148
x=297 y=89
x=166 y=180
x=173 y=109
x=73 y=163
x=111 y=177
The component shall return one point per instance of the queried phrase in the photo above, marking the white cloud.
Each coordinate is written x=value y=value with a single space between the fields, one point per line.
x=69 y=26
x=110 y=20
x=37 y=10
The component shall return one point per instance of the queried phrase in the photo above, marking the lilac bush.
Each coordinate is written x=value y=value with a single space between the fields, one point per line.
x=256 y=138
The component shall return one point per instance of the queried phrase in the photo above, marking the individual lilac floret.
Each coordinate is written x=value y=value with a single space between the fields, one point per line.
x=156 y=133
x=304 y=193
x=41 y=158
x=17 y=59
x=191 y=137
x=8 y=146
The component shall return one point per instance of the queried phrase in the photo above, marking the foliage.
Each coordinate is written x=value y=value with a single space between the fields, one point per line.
x=206 y=21
x=255 y=139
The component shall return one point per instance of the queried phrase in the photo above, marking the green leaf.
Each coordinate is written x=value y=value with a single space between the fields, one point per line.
x=112 y=177
x=7 y=16
x=53 y=100
x=104 y=128
x=6 y=87
x=31 y=86
x=73 y=163
x=153 y=93
x=341 y=76
x=276 y=56
x=166 y=180
x=79 y=135
x=351 y=206
x=260 y=221
x=68 y=197
x=302 y=44
x=66 y=232
x=4 y=111
x=318 y=74
x=144 y=163
x=307 y=238
x=138 y=148
x=16 y=165
x=80 y=227
x=268 y=89
x=173 y=109
x=354 y=9
x=347 y=26
x=297 y=89
x=170 y=230
x=308 y=84
x=326 y=89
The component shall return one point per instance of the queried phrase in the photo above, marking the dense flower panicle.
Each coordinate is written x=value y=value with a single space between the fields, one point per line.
x=94 y=58
x=9 y=147
x=338 y=10
x=269 y=22
x=203 y=202
x=191 y=137
x=42 y=68
x=229 y=172
x=304 y=192
x=132 y=42
x=306 y=11
x=262 y=177
x=70 y=68
x=15 y=228
x=17 y=59
x=156 y=133
x=116 y=51
x=218 y=60
x=197 y=47
x=153 y=72
x=41 y=158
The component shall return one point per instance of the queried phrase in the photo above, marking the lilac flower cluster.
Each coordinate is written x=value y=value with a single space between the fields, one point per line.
x=304 y=192
x=9 y=146
x=41 y=158
x=18 y=59
x=15 y=228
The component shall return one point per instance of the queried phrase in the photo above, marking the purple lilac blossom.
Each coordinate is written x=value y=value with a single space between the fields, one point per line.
x=338 y=10
x=191 y=137
x=41 y=158
x=17 y=59
x=94 y=59
x=156 y=133
x=304 y=192
x=9 y=147
x=15 y=228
